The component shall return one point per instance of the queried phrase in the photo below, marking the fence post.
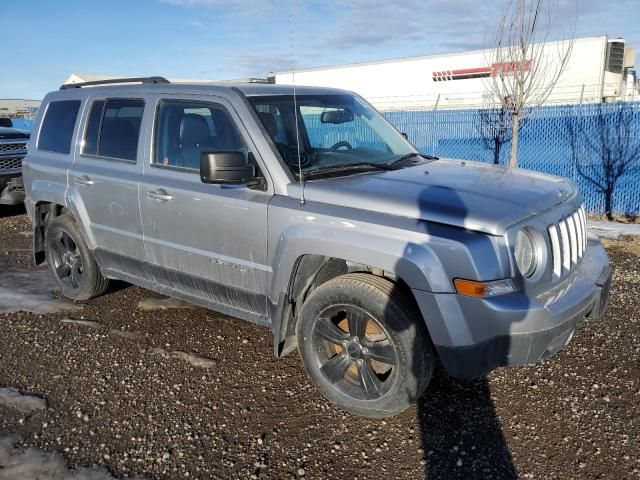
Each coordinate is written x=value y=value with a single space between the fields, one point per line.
x=582 y=94
x=437 y=102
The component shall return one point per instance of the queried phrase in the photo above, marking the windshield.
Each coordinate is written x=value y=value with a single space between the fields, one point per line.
x=336 y=132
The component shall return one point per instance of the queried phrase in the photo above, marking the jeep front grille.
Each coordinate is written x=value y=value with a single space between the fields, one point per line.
x=7 y=148
x=12 y=163
x=568 y=240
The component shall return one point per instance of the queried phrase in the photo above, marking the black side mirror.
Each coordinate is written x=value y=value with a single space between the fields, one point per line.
x=228 y=167
x=6 y=122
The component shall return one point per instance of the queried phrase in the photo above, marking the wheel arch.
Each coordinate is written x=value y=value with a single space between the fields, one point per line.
x=303 y=250
x=44 y=211
x=309 y=272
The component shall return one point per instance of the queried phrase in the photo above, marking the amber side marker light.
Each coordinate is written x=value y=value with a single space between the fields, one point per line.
x=471 y=288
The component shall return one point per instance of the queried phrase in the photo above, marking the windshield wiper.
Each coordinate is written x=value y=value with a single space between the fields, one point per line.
x=347 y=167
x=406 y=157
x=394 y=165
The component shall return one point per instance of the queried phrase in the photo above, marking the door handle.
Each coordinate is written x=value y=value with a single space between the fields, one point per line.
x=84 y=180
x=159 y=195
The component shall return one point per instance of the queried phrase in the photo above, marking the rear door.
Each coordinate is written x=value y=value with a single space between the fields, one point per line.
x=105 y=177
x=208 y=241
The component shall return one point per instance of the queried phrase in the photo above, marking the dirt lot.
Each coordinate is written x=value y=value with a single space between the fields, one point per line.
x=186 y=393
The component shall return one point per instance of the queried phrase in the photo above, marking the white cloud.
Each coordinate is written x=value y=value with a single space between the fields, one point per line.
x=432 y=23
x=258 y=63
x=239 y=7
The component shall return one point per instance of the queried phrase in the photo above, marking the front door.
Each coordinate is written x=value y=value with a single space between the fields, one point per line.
x=105 y=177
x=207 y=241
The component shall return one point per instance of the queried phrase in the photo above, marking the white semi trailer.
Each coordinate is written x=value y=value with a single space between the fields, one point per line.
x=599 y=69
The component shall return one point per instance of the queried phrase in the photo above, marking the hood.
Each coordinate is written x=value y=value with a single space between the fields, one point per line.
x=12 y=133
x=472 y=195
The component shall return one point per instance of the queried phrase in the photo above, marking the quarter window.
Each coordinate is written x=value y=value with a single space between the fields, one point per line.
x=93 y=128
x=113 y=129
x=184 y=130
x=59 y=121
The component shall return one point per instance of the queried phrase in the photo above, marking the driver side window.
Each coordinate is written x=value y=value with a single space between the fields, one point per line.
x=186 y=129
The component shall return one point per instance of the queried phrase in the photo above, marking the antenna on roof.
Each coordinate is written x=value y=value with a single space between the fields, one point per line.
x=295 y=111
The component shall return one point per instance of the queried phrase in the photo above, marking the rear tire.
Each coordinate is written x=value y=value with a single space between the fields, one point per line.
x=70 y=261
x=364 y=345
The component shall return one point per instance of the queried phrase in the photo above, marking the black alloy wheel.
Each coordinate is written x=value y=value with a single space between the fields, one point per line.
x=354 y=351
x=364 y=344
x=71 y=262
x=66 y=259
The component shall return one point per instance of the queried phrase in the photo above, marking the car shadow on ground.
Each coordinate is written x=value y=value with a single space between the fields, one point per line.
x=460 y=433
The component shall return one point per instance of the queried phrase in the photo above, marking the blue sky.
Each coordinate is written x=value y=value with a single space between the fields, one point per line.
x=47 y=40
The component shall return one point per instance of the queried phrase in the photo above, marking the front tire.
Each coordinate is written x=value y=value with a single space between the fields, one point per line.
x=364 y=346
x=70 y=261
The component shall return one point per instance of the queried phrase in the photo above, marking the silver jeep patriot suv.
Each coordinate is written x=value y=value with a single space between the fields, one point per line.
x=307 y=212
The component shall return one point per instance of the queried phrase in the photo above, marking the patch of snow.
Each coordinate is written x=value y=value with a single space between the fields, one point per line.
x=82 y=323
x=613 y=229
x=30 y=291
x=34 y=463
x=160 y=352
x=12 y=398
x=195 y=360
x=162 y=303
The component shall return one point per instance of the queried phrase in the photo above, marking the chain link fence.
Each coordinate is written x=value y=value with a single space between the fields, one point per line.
x=545 y=144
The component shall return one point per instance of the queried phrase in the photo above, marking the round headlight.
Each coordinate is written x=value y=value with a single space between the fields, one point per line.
x=525 y=252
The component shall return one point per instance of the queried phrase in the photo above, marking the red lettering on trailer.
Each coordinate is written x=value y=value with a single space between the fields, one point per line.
x=510 y=68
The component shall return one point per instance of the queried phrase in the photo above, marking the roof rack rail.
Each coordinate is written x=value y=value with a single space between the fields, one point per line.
x=68 y=86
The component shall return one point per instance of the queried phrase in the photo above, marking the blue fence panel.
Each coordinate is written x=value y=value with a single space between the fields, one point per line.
x=544 y=145
x=22 y=123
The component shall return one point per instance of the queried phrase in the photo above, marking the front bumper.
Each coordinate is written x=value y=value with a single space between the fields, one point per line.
x=11 y=188
x=474 y=336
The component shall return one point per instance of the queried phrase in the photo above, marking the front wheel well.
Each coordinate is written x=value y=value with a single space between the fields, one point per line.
x=43 y=214
x=309 y=273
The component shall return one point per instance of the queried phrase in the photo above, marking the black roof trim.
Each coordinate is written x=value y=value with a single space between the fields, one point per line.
x=68 y=86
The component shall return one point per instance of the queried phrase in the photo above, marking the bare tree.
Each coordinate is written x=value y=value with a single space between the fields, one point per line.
x=494 y=128
x=606 y=146
x=525 y=64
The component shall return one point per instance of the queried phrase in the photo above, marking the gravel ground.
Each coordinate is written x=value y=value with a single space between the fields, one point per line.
x=164 y=390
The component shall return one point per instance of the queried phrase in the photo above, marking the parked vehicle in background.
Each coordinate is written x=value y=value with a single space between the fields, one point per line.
x=13 y=148
x=311 y=214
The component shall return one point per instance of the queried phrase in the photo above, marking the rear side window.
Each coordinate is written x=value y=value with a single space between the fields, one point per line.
x=113 y=129
x=57 y=127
